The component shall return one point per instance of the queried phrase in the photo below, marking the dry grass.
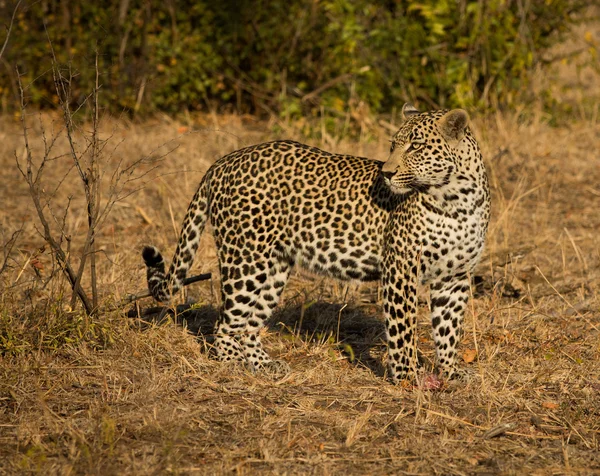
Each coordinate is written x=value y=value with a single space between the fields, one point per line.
x=125 y=397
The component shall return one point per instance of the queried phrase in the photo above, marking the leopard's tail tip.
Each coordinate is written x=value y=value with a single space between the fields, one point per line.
x=152 y=257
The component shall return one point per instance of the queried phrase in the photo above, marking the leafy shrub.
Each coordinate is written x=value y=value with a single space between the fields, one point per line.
x=292 y=57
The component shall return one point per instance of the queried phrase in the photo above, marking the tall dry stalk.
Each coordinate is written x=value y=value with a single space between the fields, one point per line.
x=33 y=173
x=90 y=159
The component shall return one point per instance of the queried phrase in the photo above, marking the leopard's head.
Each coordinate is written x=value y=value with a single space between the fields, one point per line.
x=424 y=151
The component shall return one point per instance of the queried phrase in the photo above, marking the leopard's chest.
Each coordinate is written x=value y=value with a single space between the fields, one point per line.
x=447 y=242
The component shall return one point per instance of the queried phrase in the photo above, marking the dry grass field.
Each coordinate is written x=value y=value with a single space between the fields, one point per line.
x=120 y=395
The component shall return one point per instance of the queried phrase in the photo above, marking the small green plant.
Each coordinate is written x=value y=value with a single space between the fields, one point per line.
x=50 y=329
x=33 y=459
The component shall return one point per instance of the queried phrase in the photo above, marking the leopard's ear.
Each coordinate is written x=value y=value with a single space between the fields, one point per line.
x=408 y=110
x=453 y=124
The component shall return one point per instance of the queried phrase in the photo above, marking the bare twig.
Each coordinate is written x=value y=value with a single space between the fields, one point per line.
x=35 y=193
x=12 y=20
x=326 y=85
x=94 y=202
x=499 y=430
x=87 y=152
x=144 y=294
x=583 y=306
x=507 y=256
x=88 y=172
x=8 y=246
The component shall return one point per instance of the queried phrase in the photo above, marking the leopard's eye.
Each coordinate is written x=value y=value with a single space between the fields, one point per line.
x=392 y=147
x=414 y=146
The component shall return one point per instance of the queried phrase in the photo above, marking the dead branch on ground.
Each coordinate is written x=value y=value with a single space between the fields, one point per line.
x=144 y=294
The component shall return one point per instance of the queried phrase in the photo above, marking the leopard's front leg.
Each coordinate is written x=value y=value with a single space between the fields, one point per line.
x=399 y=283
x=449 y=298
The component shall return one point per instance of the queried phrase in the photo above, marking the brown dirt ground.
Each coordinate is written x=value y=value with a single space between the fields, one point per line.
x=123 y=396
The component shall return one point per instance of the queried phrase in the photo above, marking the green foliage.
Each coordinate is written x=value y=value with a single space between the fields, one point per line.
x=293 y=57
x=49 y=329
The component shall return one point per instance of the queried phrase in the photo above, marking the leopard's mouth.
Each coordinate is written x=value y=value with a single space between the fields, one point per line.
x=399 y=189
x=407 y=187
x=419 y=187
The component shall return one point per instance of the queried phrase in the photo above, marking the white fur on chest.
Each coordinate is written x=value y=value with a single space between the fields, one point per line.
x=453 y=241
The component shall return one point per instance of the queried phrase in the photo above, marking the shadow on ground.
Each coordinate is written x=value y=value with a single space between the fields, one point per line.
x=349 y=328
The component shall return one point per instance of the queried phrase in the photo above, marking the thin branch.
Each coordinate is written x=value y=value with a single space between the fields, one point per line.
x=8 y=246
x=12 y=20
x=329 y=84
x=34 y=191
x=94 y=202
x=144 y=294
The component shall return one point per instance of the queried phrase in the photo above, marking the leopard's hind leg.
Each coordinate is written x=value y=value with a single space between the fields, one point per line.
x=268 y=295
x=250 y=292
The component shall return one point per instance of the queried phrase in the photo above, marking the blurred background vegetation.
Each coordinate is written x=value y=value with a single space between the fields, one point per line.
x=291 y=58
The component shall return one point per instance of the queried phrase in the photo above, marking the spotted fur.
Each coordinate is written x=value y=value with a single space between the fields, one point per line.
x=420 y=217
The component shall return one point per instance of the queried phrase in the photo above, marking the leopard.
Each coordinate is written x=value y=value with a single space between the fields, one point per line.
x=418 y=218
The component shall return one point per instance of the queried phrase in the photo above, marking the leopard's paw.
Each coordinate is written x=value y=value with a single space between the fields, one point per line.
x=274 y=369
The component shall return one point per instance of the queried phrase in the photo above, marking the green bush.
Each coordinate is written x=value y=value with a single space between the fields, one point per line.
x=291 y=57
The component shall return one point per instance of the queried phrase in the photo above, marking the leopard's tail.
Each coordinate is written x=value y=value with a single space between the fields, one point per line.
x=162 y=286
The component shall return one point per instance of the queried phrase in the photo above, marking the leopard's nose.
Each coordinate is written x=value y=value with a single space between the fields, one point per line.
x=388 y=175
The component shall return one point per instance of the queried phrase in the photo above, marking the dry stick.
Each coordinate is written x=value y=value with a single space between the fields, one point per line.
x=450 y=417
x=8 y=246
x=35 y=196
x=326 y=85
x=143 y=294
x=580 y=307
x=64 y=96
x=505 y=257
x=88 y=177
x=496 y=431
x=499 y=430
x=12 y=20
x=93 y=202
